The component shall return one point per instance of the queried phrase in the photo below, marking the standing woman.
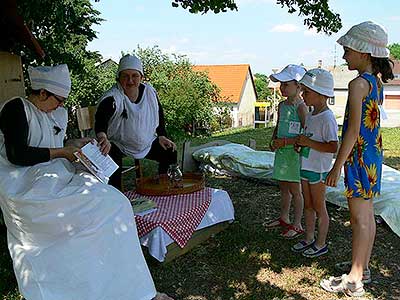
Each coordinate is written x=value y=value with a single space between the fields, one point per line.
x=365 y=50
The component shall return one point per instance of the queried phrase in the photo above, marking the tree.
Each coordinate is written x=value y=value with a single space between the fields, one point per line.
x=261 y=82
x=316 y=12
x=186 y=95
x=64 y=29
x=394 y=50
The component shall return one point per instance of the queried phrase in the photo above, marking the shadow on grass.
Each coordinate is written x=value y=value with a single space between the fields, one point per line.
x=8 y=283
x=247 y=261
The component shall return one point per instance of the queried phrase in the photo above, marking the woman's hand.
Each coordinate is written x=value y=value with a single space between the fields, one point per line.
x=66 y=152
x=166 y=143
x=103 y=143
x=333 y=177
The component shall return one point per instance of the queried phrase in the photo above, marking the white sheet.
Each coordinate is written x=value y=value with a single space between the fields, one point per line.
x=220 y=210
x=70 y=237
x=387 y=205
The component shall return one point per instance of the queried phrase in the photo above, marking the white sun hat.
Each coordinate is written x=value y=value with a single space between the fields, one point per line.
x=289 y=73
x=367 y=37
x=54 y=79
x=320 y=81
x=130 y=62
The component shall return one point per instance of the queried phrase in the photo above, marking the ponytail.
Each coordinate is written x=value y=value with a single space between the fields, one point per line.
x=384 y=66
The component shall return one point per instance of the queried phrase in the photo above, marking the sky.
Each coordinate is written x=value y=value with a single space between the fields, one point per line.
x=260 y=33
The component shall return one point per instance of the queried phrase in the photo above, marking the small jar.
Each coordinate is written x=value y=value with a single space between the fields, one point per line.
x=175 y=176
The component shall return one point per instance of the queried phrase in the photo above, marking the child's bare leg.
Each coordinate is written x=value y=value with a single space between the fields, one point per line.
x=318 y=199
x=362 y=240
x=295 y=190
x=372 y=232
x=309 y=213
x=285 y=200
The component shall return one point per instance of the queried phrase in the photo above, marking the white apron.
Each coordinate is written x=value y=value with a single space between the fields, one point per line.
x=70 y=237
x=134 y=135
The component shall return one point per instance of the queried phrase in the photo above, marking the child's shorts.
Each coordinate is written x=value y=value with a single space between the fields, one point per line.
x=313 y=177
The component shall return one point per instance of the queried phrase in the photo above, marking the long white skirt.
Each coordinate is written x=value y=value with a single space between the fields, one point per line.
x=71 y=237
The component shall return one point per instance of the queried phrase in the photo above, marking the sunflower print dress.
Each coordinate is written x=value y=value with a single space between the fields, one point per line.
x=363 y=167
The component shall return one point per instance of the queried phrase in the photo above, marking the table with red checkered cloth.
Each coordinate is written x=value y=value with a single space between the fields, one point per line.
x=178 y=215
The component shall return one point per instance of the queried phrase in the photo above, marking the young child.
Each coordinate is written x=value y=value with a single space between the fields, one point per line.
x=291 y=114
x=365 y=50
x=319 y=142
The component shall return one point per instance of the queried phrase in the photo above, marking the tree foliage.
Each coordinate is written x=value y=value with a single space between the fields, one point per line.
x=261 y=82
x=186 y=95
x=316 y=13
x=395 y=50
x=63 y=28
x=206 y=5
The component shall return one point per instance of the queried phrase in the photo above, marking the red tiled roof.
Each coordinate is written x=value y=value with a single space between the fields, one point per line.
x=230 y=79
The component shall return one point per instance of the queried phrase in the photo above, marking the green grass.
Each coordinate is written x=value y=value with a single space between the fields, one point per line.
x=391 y=147
x=247 y=261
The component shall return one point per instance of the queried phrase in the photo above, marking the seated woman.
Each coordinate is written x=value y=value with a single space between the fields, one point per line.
x=69 y=235
x=130 y=121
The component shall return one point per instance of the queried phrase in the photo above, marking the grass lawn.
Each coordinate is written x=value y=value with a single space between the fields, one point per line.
x=247 y=261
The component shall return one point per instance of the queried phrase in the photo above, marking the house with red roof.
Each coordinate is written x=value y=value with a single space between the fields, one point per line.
x=237 y=89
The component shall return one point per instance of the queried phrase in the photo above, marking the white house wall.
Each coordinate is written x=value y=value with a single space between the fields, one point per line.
x=245 y=114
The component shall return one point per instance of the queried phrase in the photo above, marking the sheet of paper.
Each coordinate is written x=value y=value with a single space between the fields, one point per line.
x=100 y=165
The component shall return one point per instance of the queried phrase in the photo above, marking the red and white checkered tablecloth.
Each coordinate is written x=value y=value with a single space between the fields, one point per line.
x=178 y=215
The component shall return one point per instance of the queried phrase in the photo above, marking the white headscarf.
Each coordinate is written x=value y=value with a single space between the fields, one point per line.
x=55 y=79
x=130 y=62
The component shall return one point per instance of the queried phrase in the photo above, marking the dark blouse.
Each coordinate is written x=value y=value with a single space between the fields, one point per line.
x=106 y=109
x=14 y=125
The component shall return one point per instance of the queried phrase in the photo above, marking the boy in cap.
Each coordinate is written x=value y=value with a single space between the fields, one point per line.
x=319 y=142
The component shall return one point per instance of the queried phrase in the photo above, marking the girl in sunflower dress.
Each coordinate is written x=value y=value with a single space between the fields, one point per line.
x=365 y=50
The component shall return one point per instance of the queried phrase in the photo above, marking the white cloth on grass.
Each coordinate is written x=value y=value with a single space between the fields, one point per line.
x=237 y=159
x=387 y=205
x=69 y=235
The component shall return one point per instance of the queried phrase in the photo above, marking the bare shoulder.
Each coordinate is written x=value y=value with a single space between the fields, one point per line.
x=359 y=86
x=359 y=83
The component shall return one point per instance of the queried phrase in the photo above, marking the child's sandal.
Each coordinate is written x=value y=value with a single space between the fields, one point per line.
x=301 y=246
x=277 y=223
x=292 y=232
x=313 y=251
x=342 y=285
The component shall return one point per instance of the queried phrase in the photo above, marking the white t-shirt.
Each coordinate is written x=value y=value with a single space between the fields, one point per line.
x=321 y=127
